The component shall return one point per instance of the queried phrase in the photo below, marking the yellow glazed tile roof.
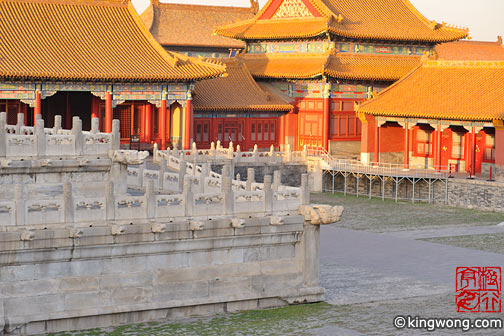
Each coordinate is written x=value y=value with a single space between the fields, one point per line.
x=100 y=40
x=451 y=90
x=237 y=91
x=471 y=50
x=394 y=20
x=192 y=25
x=342 y=66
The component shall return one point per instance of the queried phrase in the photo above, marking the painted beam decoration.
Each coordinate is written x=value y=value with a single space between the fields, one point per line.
x=153 y=93
x=306 y=89
x=336 y=47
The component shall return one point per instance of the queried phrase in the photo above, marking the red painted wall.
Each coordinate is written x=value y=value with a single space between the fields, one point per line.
x=499 y=147
x=391 y=139
x=368 y=131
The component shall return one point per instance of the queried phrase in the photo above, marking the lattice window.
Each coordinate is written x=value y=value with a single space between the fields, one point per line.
x=123 y=113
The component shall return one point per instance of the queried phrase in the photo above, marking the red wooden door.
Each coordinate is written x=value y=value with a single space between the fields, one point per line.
x=446 y=148
x=310 y=123
x=263 y=133
x=231 y=130
x=202 y=133
x=480 y=150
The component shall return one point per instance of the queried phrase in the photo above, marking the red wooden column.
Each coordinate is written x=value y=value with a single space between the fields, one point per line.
x=438 y=147
x=38 y=105
x=499 y=147
x=473 y=152
x=108 y=112
x=148 y=123
x=326 y=119
x=377 y=143
x=406 y=145
x=94 y=108
x=25 y=113
x=187 y=124
x=162 y=122
x=68 y=111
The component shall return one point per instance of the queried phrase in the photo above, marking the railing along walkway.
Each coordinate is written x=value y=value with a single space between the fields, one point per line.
x=374 y=173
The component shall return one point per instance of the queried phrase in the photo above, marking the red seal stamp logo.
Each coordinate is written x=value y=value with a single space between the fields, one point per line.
x=478 y=290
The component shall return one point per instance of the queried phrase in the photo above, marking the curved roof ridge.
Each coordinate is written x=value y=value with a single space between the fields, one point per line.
x=203 y=7
x=77 y=2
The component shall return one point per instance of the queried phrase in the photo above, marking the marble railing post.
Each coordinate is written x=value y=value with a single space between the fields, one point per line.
x=20 y=204
x=305 y=153
x=162 y=171
x=226 y=172
x=238 y=153
x=141 y=169
x=20 y=123
x=305 y=190
x=277 y=179
x=109 y=200
x=289 y=153
x=268 y=195
x=95 y=126
x=250 y=178
x=227 y=187
x=79 y=137
x=68 y=202
x=230 y=152
x=212 y=151
x=155 y=153
x=40 y=136
x=3 y=134
x=116 y=134
x=188 y=196
x=255 y=153
x=182 y=173
x=205 y=171
x=150 y=200
x=57 y=124
x=272 y=152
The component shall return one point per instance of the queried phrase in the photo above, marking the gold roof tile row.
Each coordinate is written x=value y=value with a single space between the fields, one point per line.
x=341 y=66
x=237 y=91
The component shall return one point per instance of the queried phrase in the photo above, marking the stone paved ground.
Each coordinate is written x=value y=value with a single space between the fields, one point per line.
x=376 y=215
x=483 y=242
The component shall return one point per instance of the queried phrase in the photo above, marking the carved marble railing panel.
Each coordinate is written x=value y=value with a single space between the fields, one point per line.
x=151 y=175
x=239 y=185
x=7 y=213
x=257 y=186
x=133 y=177
x=39 y=211
x=21 y=145
x=89 y=209
x=249 y=201
x=130 y=207
x=212 y=184
x=60 y=145
x=286 y=200
x=99 y=143
x=10 y=129
x=169 y=206
x=27 y=130
x=208 y=204
x=171 y=181
x=173 y=163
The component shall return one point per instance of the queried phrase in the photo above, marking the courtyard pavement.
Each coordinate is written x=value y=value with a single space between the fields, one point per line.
x=358 y=266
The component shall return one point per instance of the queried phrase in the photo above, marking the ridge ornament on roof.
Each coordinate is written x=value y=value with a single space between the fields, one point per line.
x=385 y=20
